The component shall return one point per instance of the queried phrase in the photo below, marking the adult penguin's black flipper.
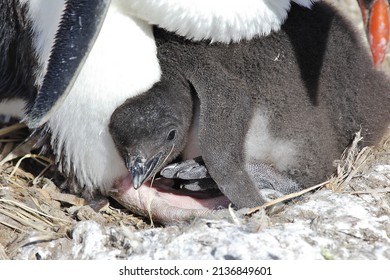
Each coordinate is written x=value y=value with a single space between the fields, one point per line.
x=78 y=30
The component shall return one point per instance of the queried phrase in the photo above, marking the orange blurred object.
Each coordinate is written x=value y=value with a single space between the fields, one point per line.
x=377 y=24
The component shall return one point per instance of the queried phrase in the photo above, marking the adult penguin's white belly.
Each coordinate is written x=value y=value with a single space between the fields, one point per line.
x=121 y=64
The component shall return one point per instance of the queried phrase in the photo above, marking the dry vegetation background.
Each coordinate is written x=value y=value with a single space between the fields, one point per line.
x=35 y=212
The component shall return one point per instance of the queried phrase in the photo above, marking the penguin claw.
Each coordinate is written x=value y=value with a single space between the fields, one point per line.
x=206 y=184
x=193 y=169
x=376 y=18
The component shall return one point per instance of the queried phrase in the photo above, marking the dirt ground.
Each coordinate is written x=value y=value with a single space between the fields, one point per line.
x=346 y=218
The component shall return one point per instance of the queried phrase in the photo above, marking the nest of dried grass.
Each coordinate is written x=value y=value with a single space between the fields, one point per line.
x=35 y=209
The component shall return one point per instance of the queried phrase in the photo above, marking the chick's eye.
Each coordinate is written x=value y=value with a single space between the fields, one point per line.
x=171 y=135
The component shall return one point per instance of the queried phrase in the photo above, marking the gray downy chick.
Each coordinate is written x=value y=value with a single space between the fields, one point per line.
x=275 y=112
x=158 y=130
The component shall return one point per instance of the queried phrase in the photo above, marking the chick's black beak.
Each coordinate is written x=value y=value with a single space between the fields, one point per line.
x=141 y=168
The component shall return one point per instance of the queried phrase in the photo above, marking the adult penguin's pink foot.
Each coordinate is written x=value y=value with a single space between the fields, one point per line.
x=162 y=203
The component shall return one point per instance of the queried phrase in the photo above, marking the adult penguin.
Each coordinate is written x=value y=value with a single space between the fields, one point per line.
x=65 y=66
x=274 y=112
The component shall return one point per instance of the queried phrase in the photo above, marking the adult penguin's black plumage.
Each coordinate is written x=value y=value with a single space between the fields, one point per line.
x=287 y=104
x=30 y=38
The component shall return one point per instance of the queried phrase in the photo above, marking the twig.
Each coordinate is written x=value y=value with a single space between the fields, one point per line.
x=286 y=197
x=11 y=128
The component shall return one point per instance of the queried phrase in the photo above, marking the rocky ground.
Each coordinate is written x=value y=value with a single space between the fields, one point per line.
x=346 y=218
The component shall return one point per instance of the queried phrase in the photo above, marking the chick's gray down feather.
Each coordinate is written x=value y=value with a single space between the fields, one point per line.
x=275 y=112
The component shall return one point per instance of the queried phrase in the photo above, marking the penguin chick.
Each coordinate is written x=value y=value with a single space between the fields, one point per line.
x=274 y=111
x=151 y=130
x=155 y=136
x=158 y=129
